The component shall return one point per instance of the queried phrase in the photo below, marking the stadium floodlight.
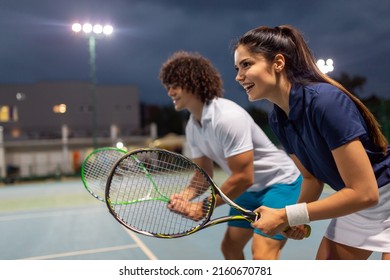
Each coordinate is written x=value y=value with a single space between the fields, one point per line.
x=325 y=66
x=76 y=27
x=89 y=29
x=97 y=29
x=93 y=32
x=108 y=29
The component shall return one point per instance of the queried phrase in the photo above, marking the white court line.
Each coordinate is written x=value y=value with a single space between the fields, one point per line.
x=46 y=214
x=83 y=252
x=142 y=245
x=133 y=236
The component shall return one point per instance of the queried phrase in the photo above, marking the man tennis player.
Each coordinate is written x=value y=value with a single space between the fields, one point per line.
x=221 y=131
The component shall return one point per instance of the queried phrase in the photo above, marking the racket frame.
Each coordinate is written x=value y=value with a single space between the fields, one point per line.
x=85 y=162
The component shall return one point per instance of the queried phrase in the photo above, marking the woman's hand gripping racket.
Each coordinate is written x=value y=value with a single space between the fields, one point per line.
x=95 y=170
x=142 y=183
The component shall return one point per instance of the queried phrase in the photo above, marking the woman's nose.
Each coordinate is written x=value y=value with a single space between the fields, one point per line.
x=239 y=76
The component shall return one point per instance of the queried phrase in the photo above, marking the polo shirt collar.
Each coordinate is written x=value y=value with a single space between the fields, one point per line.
x=296 y=100
x=207 y=112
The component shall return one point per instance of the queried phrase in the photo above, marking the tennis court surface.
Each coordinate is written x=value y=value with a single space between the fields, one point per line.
x=60 y=220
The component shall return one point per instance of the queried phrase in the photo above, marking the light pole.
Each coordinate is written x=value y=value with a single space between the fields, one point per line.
x=93 y=32
x=3 y=166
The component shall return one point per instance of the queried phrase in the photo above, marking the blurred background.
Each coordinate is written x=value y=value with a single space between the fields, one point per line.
x=78 y=75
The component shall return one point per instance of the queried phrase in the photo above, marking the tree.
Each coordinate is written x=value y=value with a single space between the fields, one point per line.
x=377 y=106
x=166 y=117
x=352 y=84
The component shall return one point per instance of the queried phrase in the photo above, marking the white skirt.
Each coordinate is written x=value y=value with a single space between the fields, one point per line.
x=368 y=229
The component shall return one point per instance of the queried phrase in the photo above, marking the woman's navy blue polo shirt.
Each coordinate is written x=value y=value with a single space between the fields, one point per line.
x=321 y=119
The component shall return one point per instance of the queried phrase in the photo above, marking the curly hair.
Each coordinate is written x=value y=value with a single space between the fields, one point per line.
x=194 y=73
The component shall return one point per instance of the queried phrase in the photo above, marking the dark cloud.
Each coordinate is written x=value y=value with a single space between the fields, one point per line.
x=37 y=44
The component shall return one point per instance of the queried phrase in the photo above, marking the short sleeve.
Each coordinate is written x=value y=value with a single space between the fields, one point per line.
x=234 y=133
x=337 y=118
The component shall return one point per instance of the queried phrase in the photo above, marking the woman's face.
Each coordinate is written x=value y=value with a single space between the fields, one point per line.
x=255 y=74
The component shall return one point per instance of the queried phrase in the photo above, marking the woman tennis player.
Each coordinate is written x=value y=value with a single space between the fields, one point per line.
x=331 y=136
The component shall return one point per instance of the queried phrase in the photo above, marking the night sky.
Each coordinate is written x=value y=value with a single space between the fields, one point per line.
x=37 y=43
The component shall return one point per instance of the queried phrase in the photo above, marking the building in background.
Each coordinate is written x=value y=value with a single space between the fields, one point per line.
x=38 y=111
x=49 y=127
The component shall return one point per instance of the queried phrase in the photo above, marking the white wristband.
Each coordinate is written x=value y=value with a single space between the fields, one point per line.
x=297 y=214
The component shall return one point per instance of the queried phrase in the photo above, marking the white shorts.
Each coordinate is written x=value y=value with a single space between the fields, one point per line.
x=368 y=229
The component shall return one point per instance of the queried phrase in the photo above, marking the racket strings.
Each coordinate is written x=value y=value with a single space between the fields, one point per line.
x=141 y=187
x=96 y=170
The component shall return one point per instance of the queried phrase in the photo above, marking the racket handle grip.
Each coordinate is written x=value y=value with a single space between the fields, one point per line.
x=308 y=230
x=256 y=216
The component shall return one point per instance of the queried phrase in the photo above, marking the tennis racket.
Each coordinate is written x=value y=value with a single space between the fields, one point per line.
x=140 y=187
x=96 y=167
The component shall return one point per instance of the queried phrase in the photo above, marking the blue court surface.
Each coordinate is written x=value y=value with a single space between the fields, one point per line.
x=60 y=220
